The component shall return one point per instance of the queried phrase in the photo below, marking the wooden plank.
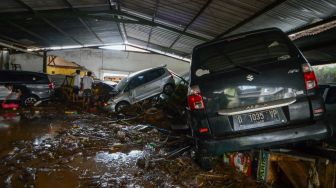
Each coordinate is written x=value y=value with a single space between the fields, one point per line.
x=296 y=172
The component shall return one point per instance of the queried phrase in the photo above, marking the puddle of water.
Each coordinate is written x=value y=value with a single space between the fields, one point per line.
x=60 y=178
x=118 y=159
x=13 y=129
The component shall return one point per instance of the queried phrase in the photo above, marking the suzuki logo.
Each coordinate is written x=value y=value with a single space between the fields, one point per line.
x=249 y=77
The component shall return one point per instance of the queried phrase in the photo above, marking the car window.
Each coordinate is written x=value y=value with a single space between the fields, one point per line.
x=122 y=84
x=331 y=96
x=152 y=75
x=137 y=81
x=33 y=78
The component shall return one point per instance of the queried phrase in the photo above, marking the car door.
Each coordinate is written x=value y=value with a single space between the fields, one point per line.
x=153 y=85
x=7 y=78
x=137 y=88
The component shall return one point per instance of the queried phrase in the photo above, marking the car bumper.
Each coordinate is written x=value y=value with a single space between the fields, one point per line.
x=317 y=131
x=110 y=107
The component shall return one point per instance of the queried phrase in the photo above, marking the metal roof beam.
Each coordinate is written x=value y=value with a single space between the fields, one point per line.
x=19 y=49
x=153 y=20
x=121 y=26
x=10 y=40
x=257 y=14
x=149 y=22
x=162 y=48
x=83 y=22
x=191 y=22
x=47 y=21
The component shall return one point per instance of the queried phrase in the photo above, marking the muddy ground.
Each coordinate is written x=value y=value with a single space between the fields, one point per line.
x=64 y=148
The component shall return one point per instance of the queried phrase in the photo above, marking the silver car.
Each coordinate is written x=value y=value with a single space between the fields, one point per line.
x=141 y=85
x=35 y=86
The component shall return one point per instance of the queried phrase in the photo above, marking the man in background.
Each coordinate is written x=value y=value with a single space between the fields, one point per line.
x=76 y=86
x=87 y=89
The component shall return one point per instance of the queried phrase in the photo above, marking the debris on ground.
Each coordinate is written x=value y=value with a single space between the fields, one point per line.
x=82 y=149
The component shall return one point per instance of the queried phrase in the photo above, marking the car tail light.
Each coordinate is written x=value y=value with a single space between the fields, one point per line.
x=203 y=130
x=318 y=111
x=195 y=99
x=51 y=85
x=309 y=76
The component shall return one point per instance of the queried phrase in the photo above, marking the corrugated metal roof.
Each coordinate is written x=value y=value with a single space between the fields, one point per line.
x=138 y=31
x=45 y=4
x=292 y=14
x=186 y=44
x=163 y=37
x=166 y=25
x=222 y=15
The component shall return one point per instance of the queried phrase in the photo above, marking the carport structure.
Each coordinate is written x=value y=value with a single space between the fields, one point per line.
x=161 y=26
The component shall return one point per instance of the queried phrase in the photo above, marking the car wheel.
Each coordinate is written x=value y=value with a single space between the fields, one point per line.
x=30 y=100
x=121 y=105
x=168 y=89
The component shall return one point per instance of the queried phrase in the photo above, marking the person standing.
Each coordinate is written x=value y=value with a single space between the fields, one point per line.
x=76 y=86
x=87 y=89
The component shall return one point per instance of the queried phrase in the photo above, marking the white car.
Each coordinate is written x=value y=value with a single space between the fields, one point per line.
x=141 y=85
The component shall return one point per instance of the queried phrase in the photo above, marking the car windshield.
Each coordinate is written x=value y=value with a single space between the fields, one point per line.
x=242 y=52
x=122 y=84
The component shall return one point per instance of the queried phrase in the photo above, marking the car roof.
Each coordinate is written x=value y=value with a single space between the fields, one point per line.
x=237 y=35
x=143 y=71
x=22 y=72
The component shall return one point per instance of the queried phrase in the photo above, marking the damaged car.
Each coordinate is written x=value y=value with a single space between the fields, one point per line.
x=141 y=85
x=252 y=90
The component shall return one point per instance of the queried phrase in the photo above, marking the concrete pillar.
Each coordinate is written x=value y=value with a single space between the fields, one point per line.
x=45 y=61
x=4 y=59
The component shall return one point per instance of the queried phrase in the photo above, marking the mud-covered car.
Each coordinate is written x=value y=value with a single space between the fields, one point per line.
x=37 y=86
x=141 y=85
x=252 y=90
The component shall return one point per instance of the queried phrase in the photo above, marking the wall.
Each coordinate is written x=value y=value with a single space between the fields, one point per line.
x=28 y=62
x=99 y=60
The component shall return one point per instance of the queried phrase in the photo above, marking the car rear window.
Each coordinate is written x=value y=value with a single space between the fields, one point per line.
x=24 y=77
x=246 y=50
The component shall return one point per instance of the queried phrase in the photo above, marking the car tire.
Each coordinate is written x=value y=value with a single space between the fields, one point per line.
x=121 y=105
x=29 y=100
x=168 y=89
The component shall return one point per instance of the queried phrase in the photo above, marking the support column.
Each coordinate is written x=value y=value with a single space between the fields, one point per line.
x=45 y=61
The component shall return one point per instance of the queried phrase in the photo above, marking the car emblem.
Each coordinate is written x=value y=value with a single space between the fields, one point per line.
x=249 y=77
